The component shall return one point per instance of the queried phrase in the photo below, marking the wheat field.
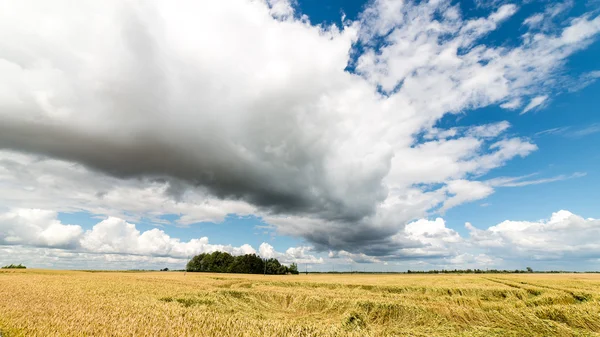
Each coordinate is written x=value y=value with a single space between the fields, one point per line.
x=77 y=303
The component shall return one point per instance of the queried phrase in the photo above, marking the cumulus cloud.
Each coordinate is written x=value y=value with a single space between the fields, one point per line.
x=356 y=257
x=206 y=109
x=114 y=243
x=436 y=238
x=31 y=228
x=281 y=8
x=38 y=228
x=291 y=255
x=55 y=258
x=115 y=235
x=564 y=235
x=465 y=191
x=420 y=239
x=477 y=261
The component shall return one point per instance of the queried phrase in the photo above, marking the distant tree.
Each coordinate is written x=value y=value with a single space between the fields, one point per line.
x=247 y=264
x=165 y=269
x=274 y=267
x=293 y=269
x=195 y=264
x=222 y=262
x=529 y=270
x=14 y=266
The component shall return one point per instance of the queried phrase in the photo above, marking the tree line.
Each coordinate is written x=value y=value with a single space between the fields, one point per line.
x=14 y=266
x=223 y=262
x=471 y=271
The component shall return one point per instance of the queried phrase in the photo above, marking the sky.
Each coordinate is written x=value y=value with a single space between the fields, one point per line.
x=381 y=135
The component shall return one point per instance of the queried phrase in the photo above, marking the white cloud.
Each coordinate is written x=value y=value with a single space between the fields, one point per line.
x=34 y=227
x=591 y=129
x=512 y=104
x=571 y=131
x=521 y=181
x=465 y=191
x=564 y=235
x=435 y=237
x=116 y=244
x=115 y=235
x=281 y=8
x=584 y=80
x=52 y=258
x=534 y=103
x=534 y=20
x=351 y=258
x=37 y=228
x=580 y=30
x=291 y=255
x=467 y=260
x=489 y=130
x=544 y=20
x=114 y=239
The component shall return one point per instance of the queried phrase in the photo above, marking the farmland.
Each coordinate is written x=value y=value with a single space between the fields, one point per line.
x=76 y=303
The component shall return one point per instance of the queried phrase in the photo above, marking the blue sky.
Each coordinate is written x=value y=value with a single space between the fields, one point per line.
x=326 y=146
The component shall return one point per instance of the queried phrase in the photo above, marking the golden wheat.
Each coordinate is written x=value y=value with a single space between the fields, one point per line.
x=76 y=303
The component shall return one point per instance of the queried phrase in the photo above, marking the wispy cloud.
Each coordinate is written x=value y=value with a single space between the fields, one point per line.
x=553 y=131
x=584 y=80
x=571 y=132
x=545 y=21
x=522 y=180
x=534 y=103
x=594 y=128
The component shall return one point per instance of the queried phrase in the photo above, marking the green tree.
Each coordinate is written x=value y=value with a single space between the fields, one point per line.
x=195 y=264
x=274 y=267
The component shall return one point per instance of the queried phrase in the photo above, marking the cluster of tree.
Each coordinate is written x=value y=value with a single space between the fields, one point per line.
x=222 y=262
x=14 y=266
x=165 y=269
x=472 y=271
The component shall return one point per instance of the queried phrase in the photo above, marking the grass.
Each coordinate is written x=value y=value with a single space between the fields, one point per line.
x=75 y=303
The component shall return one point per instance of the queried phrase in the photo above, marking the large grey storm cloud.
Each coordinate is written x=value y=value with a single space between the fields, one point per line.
x=250 y=102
